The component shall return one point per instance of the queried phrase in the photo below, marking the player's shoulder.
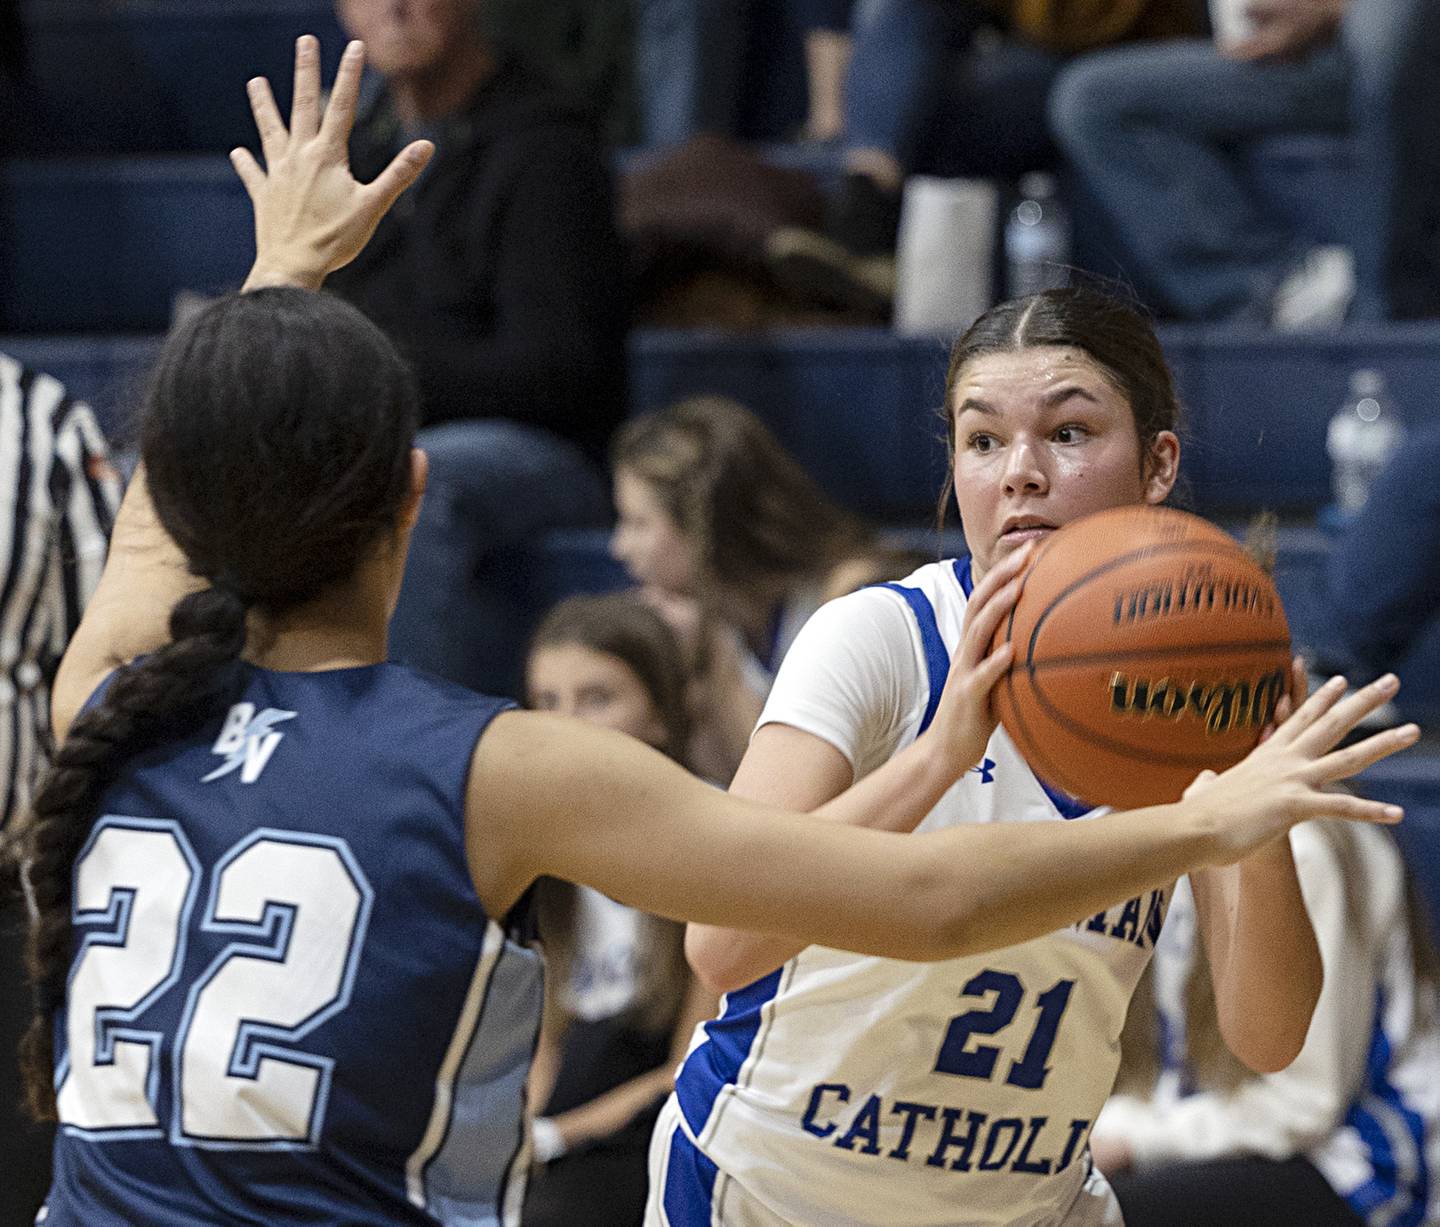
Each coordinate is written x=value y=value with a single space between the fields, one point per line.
x=941 y=584
x=426 y=705
x=932 y=598
x=945 y=582
x=888 y=629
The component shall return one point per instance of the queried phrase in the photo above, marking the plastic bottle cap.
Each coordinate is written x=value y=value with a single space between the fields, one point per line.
x=1037 y=185
x=1365 y=383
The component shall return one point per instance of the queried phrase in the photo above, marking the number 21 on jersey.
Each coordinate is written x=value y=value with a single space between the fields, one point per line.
x=1030 y=1070
x=294 y=907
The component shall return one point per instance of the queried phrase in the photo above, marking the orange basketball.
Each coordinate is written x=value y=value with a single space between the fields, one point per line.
x=1148 y=647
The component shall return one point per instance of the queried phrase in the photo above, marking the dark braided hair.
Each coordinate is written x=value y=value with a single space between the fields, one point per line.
x=276 y=440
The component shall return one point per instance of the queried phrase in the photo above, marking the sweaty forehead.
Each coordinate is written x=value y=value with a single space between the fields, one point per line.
x=1032 y=372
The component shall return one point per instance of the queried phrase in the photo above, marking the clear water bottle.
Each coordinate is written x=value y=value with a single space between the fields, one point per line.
x=1363 y=435
x=1037 y=239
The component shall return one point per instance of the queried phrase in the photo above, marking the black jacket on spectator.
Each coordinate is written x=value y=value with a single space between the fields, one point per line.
x=500 y=274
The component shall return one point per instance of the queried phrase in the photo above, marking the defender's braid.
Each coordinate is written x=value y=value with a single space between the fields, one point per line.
x=141 y=705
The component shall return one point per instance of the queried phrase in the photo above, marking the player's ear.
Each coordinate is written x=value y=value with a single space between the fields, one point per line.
x=419 y=475
x=1162 y=467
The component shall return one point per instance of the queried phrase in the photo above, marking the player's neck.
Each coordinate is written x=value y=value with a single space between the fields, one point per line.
x=345 y=627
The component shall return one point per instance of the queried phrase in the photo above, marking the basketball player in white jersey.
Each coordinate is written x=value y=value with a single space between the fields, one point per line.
x=840 y=1091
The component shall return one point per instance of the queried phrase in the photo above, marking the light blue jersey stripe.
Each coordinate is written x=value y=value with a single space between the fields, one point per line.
x=470 y=1181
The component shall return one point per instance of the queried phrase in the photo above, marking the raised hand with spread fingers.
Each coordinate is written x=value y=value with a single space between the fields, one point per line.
x=311 y=216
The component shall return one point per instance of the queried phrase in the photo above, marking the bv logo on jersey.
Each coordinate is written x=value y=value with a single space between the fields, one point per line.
x=247 y=741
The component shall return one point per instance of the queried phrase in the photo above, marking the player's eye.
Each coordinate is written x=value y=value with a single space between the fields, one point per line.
x=1071 y=432
x=982 y=442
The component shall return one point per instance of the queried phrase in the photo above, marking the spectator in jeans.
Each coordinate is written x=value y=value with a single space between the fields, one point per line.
x=949 y=87
x=1381 y=584
x=500 y=277
x=1154 y=132
x=689 y=65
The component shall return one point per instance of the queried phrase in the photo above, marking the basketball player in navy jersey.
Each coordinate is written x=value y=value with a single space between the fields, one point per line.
x=279 y=946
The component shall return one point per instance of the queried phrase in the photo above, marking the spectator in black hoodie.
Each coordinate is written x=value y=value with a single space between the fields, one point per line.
x=501 y=278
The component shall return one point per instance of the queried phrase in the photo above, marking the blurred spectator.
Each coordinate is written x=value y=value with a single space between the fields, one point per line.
x=501 y=278
x=1157 y=132
x=59 y=496
x=1347 y=1135
x=621 y=1003
x=12 y=72
x=880 y=564
x=956 y=88
x=825 y=25
x=734 y=543
x=689 y=67
x=1382 y=578
x=585 y=47
x=696 y=218
x=696 y=61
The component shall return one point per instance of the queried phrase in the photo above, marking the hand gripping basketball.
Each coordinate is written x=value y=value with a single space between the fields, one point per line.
x=965 y=719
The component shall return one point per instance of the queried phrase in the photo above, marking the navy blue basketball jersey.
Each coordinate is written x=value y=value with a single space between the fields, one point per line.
x=286 y=1003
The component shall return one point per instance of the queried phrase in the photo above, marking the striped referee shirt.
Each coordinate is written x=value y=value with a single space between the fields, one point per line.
x=58 y=499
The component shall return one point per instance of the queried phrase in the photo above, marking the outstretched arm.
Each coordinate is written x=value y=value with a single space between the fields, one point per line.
x=549 y=795
x=310 y=217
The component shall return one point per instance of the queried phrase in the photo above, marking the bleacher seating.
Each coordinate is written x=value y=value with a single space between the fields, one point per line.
x=159 y=76
x=95 y=246
x=859 y=406
x=103 y=245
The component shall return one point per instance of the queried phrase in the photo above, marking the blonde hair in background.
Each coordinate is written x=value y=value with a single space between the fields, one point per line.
x=756 y=517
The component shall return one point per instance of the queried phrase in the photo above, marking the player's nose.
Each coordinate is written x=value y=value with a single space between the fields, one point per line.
x=1025 y=469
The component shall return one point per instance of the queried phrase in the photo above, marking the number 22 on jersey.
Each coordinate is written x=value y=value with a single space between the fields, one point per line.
x=294 y=907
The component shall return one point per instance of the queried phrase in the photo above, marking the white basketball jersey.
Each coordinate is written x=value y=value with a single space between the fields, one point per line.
x=843 y=1089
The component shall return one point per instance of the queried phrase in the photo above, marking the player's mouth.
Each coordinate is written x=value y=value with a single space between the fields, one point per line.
x=1019 y=529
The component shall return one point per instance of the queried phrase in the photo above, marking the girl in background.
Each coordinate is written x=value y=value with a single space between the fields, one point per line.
x=621 y=1001
x=1349 y=1133
x=735 y=544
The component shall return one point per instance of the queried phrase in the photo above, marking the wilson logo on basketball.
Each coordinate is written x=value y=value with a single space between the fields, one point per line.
x=1196 y=592
x=1221 y=706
